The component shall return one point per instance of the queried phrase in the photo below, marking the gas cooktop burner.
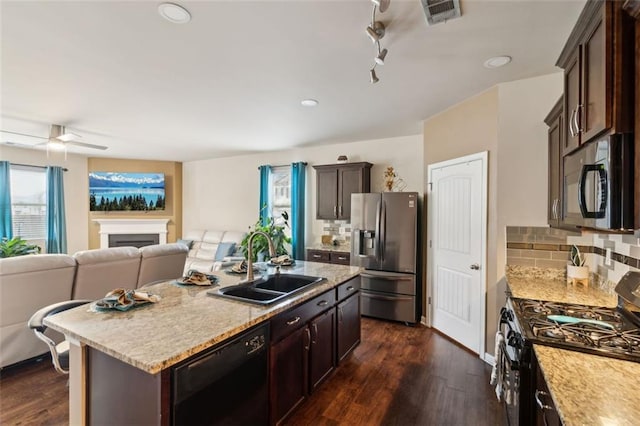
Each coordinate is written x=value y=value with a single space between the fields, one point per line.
x=589 y=328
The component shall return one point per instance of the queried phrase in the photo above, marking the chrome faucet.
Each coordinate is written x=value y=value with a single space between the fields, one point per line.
x=272 y=252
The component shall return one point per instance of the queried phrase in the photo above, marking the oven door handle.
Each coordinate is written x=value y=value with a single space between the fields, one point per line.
x=513 y=364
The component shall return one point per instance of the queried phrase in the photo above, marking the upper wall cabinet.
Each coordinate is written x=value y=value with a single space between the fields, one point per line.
x=556 y=141
x=334 y=185
x=598 y=74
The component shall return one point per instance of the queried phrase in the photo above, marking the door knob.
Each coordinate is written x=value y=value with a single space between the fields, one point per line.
x=475 y=266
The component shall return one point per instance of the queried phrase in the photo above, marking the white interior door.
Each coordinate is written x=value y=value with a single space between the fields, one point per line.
x=457 y=234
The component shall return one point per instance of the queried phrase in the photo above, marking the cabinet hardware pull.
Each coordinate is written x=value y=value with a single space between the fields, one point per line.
x=542 y=406
x=340 y=210
x=342 y=257
x=293 y=321
x=315 y=333
x=335 y=211
x=554 y=209
x=350 y=288
x=323 y=303
x=307 y=335
x=578 y=123
x=571 y=131
x=317 y=256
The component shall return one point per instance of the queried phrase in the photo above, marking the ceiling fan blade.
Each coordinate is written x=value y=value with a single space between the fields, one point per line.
x=23 y=134
x=86 y=145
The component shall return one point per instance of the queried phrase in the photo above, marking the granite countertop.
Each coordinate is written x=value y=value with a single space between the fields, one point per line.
x=551 y=285
x=591 y=389
x=342 y=248
x=185 y=321
x=586 y=389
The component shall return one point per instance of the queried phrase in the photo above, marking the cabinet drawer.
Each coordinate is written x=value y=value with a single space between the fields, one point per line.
x=318 y=256
x=341 y=258
x=295 y=318
x=348 y=288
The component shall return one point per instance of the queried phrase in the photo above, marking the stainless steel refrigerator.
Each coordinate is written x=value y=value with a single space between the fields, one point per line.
x=384 y=234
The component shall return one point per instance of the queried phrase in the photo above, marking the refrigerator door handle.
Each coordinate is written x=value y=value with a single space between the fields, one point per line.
x=378 y=241
x=383 y=230
x=387 y=278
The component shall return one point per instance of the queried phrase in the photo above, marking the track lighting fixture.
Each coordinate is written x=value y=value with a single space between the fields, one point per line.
x=376 y=31
x=373 y=78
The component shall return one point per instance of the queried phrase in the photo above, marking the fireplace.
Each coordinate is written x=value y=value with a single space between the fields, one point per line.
x=132 y=232
x=135 y=240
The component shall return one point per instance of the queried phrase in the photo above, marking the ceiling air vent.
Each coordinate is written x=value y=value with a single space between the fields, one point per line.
x=437 y=11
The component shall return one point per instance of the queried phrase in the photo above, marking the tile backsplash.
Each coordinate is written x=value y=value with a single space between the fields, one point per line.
x=339 y=229
x=609 y=256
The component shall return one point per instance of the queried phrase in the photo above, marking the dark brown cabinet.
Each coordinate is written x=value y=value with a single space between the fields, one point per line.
x=597 y=62
x=334 y=185
x=555 y=139
x=327 y=256
x=307 y=343
x=348 y=311
x=322 y=348
x=546 y=413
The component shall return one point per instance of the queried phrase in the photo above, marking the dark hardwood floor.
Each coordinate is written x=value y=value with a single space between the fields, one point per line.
x=398 y=375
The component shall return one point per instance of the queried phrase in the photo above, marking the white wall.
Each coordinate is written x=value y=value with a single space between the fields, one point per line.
x=76 y=188
x=223 y=193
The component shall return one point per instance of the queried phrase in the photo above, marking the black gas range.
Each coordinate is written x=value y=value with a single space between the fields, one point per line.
x=610 y=332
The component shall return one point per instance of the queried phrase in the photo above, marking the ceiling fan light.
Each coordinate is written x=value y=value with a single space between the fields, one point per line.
x=373 y=78
x=56 y=145
x=68 y=137
x=381 y=56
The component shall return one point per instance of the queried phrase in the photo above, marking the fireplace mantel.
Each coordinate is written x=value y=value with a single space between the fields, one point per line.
x=131 y=226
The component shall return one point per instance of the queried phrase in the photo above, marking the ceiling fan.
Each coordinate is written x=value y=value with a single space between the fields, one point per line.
x=58 y=139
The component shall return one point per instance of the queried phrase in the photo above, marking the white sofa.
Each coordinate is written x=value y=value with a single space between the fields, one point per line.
x=212 y=250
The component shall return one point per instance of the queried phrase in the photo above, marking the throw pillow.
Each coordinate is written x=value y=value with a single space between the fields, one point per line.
x=187 y=243
x=224 y=250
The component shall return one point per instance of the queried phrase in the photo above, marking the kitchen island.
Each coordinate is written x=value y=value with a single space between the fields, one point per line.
x=148 y=340
x=586 y=389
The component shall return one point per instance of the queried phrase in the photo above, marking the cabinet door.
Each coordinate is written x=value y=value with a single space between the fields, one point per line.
x=289 y=366
x=546 y=413
x=348 y=325
x=595 y=112
x=322 y=352
x=555 y=140
x=326 y=196
x=350 y=180
x=572 y=101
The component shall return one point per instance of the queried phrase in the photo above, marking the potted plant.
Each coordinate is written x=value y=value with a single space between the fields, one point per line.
x=17 y=247
x=260 y=244
x=576 y=271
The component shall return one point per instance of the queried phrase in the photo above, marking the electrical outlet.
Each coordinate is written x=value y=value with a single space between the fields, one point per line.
x=607 y=257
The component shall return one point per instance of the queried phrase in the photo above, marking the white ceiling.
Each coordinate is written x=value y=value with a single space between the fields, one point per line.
x=231 y=81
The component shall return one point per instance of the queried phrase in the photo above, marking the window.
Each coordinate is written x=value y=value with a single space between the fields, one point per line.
x=29 y=202
x=280 y=194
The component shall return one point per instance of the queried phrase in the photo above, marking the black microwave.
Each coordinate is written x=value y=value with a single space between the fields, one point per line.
x=598 y=184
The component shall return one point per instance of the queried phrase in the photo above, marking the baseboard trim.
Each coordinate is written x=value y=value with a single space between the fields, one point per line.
x=423 y=321
x=488 y=358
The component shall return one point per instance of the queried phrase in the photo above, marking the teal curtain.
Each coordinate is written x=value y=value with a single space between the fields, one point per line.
x=298 y=173
x=56 y=224
x=5 y=200
x=264 y=193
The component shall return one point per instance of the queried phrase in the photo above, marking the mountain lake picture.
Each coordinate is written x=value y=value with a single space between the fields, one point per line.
x=116 y=191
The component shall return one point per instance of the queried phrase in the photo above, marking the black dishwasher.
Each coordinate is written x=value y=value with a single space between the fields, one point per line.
x=227 y=385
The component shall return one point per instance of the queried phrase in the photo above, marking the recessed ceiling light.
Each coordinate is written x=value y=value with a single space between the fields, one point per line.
x=174 y=13
x=497 y=61
x=309 y=102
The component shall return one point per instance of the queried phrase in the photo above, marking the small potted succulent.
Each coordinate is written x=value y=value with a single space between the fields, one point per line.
x=576 y=270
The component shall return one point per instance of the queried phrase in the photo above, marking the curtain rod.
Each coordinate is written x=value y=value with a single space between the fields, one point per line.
x=282 y=165
x=37 y=167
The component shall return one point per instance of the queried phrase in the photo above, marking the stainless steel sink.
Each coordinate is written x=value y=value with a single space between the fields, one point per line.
x=267 y=289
